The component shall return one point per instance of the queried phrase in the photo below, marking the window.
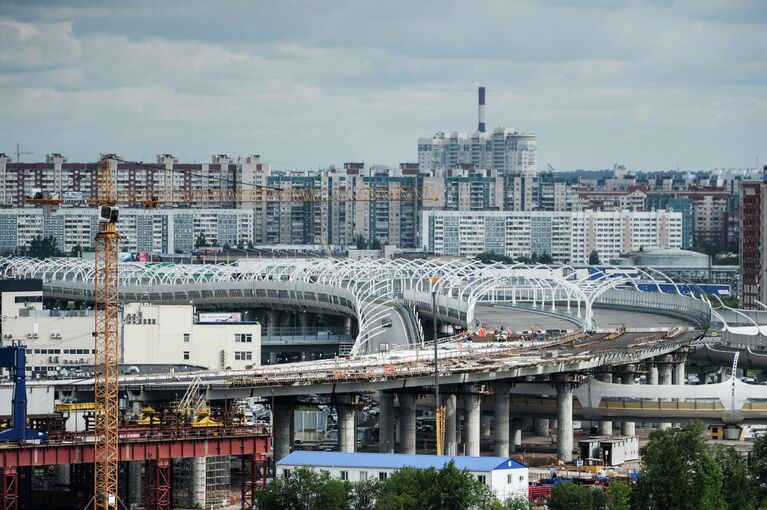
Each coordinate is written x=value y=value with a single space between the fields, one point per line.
x=508 y=478
x=344 y=475
x=186 y=355
x=363 y=475
x=243 y=355
x=243 y=337
x=382 y=476
x=482 y=479
x=286 y=473
x=28 y=299
x=186 y=337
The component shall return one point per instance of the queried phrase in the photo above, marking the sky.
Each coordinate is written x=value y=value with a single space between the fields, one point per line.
x=653 y=84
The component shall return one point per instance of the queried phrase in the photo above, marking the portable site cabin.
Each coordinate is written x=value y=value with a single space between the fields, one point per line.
x=507 y=477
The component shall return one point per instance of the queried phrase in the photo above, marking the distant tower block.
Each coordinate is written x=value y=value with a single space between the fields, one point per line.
x=481 y=113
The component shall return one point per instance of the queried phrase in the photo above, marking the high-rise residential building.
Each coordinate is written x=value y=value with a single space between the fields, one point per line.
x=76 y=182
x=753 y=243
x=504 y=150
x=568 y=237
x=668 y=202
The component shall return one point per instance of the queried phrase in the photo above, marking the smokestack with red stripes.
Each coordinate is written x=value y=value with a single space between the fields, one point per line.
x=481 y=123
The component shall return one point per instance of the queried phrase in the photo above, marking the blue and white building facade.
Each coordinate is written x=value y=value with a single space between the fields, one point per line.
x=506 y=477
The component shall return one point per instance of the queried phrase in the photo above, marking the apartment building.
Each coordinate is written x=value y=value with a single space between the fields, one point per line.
x=150 y=230
x=568 y=237
x=504 y=150
x=77 y=183
x=753 y=243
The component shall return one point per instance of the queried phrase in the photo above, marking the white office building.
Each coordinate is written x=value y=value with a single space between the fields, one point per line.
x=506 y=477
x=568 y=237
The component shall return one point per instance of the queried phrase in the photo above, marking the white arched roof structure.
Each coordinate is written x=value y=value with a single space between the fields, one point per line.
x=368 y=289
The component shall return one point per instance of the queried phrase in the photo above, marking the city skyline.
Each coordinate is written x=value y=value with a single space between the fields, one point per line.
x=654 y=85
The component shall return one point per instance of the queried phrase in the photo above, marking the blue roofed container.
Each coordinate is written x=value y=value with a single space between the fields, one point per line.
x=505 y=476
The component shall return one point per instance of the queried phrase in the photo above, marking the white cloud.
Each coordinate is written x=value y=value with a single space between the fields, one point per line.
x=649 y=83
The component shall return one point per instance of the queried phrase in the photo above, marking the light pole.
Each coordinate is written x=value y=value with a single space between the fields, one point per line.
x=439 y=412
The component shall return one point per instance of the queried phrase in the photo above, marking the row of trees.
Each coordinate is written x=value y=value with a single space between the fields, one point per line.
x=681 y=471
x=420 y=489
x=43 y=248
x=489 y=257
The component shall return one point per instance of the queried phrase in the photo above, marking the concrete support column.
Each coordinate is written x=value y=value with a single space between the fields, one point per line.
x=451 y=426
x=652 y=374
x=486 y=425
x=502 y=408
x=665 y=372
x=679 y=374
x=564 y=421
x=515 y=437
x=272 y=358
x=347 y=325
x=407 y=422
x=542 y=427
x=272 y=322
x=386 y=422
x=135 y=483
x=628 y=428
x=282 y=428
x=605 y=426
x=304 y=320
x=198 y=481
x=347 y=430
x=472 y=411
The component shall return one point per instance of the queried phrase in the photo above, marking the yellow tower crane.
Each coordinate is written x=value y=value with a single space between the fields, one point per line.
x=107 y=341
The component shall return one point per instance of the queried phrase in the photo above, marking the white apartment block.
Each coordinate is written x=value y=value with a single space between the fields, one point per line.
x=504 y=150
x=150 y=230
x=569 y=237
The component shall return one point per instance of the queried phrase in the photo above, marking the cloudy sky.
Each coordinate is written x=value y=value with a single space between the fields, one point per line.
x=652 y=84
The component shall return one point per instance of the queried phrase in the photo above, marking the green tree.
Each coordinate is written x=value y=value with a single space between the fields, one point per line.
x=365 y=494
x=598 y=499
x=77 y=251
x=735 y=473
x=306 y=489
x=517 y=503
x=619 y=496
x=360 y=242
x=448 y=489
x=200 y=242
x=569 y=496
x=42 y=248
x=375 y=244
x=594 y=258
x=679 y=472
x=758 y=468
x=227 y=247
x=545 y=258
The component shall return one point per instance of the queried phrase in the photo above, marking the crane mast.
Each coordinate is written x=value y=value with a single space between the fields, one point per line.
x=107 y=342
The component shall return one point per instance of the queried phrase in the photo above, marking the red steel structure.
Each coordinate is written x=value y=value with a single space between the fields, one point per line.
x=155 y=450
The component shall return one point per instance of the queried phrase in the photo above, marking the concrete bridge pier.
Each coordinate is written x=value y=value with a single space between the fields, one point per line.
x=472 y=403
x=605 y=426
x=386 y=422
x=628 y=428
x=515 y=436
x=282 y=428
x=502 y=408
x=272 y=322
x=564 y=418
x=665 y=372
x=347 y=429
x=407 y=422
x=451 y=425
x=541 y=427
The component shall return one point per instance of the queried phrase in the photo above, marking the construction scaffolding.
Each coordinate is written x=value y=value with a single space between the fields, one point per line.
x=201 y=482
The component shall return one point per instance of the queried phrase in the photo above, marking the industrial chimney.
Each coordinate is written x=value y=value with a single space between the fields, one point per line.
x=481 y=123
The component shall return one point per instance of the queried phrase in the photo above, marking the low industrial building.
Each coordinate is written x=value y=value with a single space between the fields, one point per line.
x=506 y=477
x=609 y=450
x=173 y=334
